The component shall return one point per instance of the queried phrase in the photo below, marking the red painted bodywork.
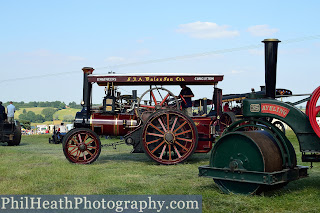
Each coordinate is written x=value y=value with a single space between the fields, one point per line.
x=121 y=124
x=205 y=139
x=114 y=125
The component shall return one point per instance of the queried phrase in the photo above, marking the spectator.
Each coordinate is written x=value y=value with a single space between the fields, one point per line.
x=11 y=110
x=186 y=94
x=62 y=128
x=2 y=112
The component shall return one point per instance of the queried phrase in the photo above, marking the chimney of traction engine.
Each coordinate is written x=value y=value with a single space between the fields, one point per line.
x=86 y=89
x=271 y=51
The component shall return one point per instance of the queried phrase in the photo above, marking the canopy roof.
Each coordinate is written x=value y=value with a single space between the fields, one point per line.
x=240 y=97
x=155 y=79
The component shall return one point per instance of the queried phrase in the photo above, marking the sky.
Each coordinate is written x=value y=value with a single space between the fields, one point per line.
x=45 y=44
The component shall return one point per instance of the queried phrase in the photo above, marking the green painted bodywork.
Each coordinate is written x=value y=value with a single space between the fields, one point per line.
x=254 y=177
x=286 y=149
x=248 y=178
x=295 y=119
x=253 y=154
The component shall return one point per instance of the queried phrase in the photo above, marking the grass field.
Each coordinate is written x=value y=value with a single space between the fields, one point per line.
x=59 y=114
x=37 y=167
x=36 y=110
x=64 y=112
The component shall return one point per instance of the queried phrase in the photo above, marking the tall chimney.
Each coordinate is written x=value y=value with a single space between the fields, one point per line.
x=86 y=88
x=271 y=51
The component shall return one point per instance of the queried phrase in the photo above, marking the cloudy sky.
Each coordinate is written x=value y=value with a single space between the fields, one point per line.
x=44 y=44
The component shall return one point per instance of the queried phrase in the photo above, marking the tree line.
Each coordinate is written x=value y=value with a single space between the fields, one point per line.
x=46 y=115
x=50 y=107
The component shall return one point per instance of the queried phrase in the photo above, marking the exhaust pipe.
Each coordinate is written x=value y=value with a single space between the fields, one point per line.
x=86 y=101
x=271 y=51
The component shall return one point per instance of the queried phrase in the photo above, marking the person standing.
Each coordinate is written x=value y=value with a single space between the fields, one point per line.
x=11 y=109
x=2 y=113
x=186 y=94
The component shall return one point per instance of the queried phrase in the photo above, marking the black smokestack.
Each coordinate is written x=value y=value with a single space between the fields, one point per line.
x=271 y=51
x=87 y=86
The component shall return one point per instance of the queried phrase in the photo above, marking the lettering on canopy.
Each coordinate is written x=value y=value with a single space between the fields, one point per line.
x=161 y=79
x=106 y=79
x=204 y=78
x=155 y=79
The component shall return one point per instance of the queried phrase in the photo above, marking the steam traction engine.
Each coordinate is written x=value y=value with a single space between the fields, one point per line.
x=249 y=162
x=10 y=133
x=152 y=123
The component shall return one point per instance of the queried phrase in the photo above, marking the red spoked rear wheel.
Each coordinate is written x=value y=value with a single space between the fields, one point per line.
x=169 y=137
x=312 y=110
x=81 y=146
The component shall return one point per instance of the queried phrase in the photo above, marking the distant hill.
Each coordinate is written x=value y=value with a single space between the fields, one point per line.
x=66 y=115
x=61 y=114
x=36 y=110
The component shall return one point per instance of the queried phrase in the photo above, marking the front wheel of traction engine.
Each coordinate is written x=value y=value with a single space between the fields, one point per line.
x=81 y=146
x=169 y=137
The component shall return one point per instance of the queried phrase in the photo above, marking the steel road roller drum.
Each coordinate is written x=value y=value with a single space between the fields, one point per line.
x=252 y=151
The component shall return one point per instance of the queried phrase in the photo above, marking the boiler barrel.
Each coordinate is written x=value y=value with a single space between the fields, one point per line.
x=112 y=125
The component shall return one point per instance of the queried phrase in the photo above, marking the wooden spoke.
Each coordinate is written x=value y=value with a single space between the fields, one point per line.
x=174 y=123
x=184 y=123
x=84 y=157
x=183 y=139
x=86 y=138
x=73 y=150
x=150 y=142
x=87 y=143
x=183 y=147
x=75 y=141
x=154 y=134
x=78 y=155
x=161 y=123
x=169 y=152
x=164 y=148
x=79 y=136
x=91 y=147
x=157 y=147
x=168 y=122
x=162 y=132
x=181 y=133
x=175 y=148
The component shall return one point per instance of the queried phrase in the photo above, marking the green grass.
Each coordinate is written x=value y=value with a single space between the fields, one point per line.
x=37 y=167
x=64 y=112
x=60 y=113
x=36 y=110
